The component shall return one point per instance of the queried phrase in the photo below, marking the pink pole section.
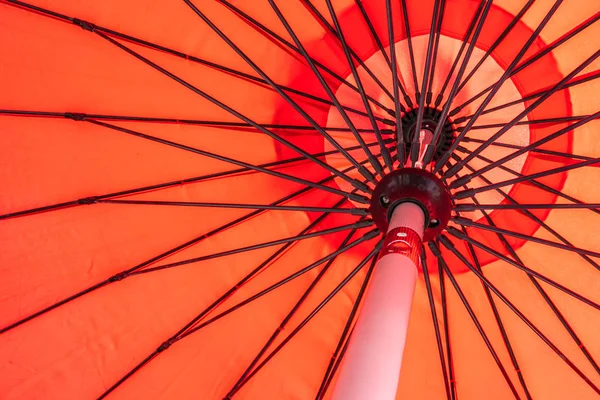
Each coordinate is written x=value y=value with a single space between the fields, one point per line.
x=371 y=366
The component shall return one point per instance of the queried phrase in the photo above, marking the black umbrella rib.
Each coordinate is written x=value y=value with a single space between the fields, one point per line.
x=463 y=45
x=539 y=121
x=373 y=161
x=448 y=244
x=291 y=102
x=345 y=335
x=401 y=155
x=532 y=182
x=125 y=273
x=165 y=185
x=474 y=318
x=189 y=57
x=295 y=238
x=377 y=40
x=534 y=58
x=182 y=121
x=505 y=76
x=446 y=321
x=579 y=80
x=287 y=318
x=187 y=329
x=357 y=184
x=521 y=206
x=232 y=161
x=436 y=326
x=416 y=142
x=494 y=45
x=386 y=155
x=262 y=28
x=338 y=361
x=467 y=193
x=467 y=222
x=306 y=320
x=352 y=211
x=455 y=232
x=533 y=150
x=411 y=51
x=428 y=158
x=539 y=288
x=438 y=34
x=314 y=11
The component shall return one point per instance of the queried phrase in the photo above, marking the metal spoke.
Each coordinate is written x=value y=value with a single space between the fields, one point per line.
x=336 y=365
x=535 y=34
x=401 y=155
x=448 y=244
x=386 y=155
x=521 y=206
x=446 y=321
x=434 y=318
x=474 y=318
x=540 y=121
x=384 y=53
x=373 y=161
x=314 y=11
x=263 y=29
x=410 y=47
x=547 y=49
x=438 y=33
x=415 y=149
x=306 y=320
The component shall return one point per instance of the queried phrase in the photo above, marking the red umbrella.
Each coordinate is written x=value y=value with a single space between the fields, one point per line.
x=302 y=199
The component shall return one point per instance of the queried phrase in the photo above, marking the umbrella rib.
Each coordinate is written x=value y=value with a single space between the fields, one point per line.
x=467 y=193
x=534 y=58
x=232 y=161
x=438 y=33
x=496 y=43
x=288 y=317
x=579 y=80
x=451 y=373
x=428 y=158
x=373 y=161
x=455 y=232
x=401 y=154
x=386 y=155
x=505 y=76
x=411 y=52
x=532 y=182
x=525 y=112
x=540 y=121
x=353 y=55
x=217 y=175
x=342 y=228
x=263 y=29
x=242 y=379
x=435 y=320
x=540 y=289
x=415 y=148
x=218 y=103
x=187 y=329
x=306 y=320
x=467 y=222
x=188 y=57
x=436 y=251
x=346 y=333
x=292 y=103
x=352 y=211
x=125 y=273
x=336 y=365
x=383 y=52
x=182 y=121
x=521 y=206
x=448 y=244
x=463 y=45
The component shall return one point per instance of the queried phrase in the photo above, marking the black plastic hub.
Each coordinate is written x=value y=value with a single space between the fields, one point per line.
x=417 y=186
x=431 y=119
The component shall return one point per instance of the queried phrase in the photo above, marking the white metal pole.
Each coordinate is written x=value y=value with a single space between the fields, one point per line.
x=371 y=367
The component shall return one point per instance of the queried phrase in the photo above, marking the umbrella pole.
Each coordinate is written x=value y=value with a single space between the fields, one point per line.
x=371 y=366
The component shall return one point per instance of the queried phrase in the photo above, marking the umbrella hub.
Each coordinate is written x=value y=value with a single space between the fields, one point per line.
x=417 y=186
x=432 y=117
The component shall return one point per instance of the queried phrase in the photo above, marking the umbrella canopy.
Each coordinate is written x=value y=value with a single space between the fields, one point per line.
x=186 y=212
